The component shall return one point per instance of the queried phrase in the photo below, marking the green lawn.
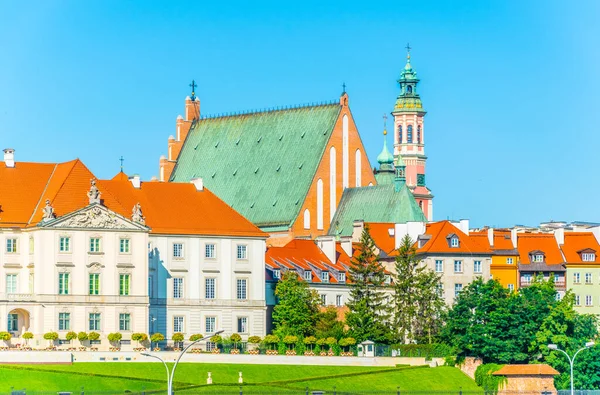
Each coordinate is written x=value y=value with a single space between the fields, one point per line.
x=191 y=377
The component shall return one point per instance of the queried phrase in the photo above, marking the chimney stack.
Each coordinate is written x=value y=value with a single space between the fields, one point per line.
x=490 y=235
x=346 y=243
x=135 y=181
x=9 y=157
x=198 y=183
x=327 y=245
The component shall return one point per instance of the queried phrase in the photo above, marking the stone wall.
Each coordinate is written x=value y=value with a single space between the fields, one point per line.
x=469 y=366
x=528 y=385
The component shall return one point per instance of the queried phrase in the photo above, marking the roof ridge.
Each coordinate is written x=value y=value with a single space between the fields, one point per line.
x=269 y=109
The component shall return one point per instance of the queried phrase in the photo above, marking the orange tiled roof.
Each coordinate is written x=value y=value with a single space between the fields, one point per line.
x=380 y=232
x=438 y=243
x=545 y=242
x=579 y=241
x=502 y=240
x=527 y=370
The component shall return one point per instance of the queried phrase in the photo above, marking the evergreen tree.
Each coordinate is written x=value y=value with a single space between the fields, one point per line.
x=418 y=305
x=297 y=307
x=328 y=324
x=368 y=317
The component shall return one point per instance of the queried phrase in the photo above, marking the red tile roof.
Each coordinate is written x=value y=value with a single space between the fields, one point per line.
x=502 y=240
x=545 y=242
x=575 y=242
x=439 y=241
x=527 y=370
x=380 y=232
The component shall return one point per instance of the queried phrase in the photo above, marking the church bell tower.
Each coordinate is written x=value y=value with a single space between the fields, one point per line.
x=409 y=137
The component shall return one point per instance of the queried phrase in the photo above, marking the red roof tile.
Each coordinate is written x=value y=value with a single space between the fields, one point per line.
x=440 y=233
x=545 y=242
x=575 y=243
x=527 y=370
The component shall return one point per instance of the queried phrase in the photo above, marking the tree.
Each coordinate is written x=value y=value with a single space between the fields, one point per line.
x=418 y=305
x=328 y=325
x=368 y=316
x=297 y=307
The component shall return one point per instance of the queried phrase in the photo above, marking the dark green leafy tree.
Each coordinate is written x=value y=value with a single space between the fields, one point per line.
x=368 y=315
x=328 y=325
x=418 y=305
x=297 y=307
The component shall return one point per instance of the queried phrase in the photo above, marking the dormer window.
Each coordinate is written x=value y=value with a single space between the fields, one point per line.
x=308 y=275
x=538 y=258
x=325 y=277
x=454 y=243
x=342 y=277
x=588 y=257
x=276 y=273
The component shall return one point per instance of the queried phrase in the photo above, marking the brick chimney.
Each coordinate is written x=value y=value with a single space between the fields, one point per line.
x=9 y=157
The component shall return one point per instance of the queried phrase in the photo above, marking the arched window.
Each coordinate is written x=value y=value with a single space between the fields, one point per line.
x=332 y=182
x=399 y=134
x=409 y=89
x=409 y=134
x=306 y=219
x=320 y=204
x=419 y=134
x=345 y=159
x=358 y=165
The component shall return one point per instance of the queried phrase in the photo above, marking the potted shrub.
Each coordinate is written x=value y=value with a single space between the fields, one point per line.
x=330 y=341
x=217 y=340
x=51 y=337
x=346 y=343
x=156 y=338
x=70 y=337
x=290 y=342
x=254 y=340
x=271 y=341
x=5 y=336
x=139 y=338
x=310 y=343
x=235 y=339
x=82 y=336
x=115 y=341
x=27 y=336
x=177 y=339
x=92 y=337
x=193 y=338
x=322 y=344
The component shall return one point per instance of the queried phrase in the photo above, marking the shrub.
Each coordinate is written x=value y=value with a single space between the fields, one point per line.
x=347 y=342
x=290 y=339
x=139 y=337
x=27 y=335
x=71 y=336
x=115 y=337
x=271 y=340
x=254 y=339
x=5 y=336
x=321 y=342
x=310 y=340
x=196 y=337
x=93 y=336
x=485 y=379
x=50 y=335
x=330 y=341
x=177 y=337
x=235 y=338
x=82 y=336
x=217 y=339
x=157 y=337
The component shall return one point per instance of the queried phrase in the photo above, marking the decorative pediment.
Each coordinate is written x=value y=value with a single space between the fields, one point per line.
x=94 y=216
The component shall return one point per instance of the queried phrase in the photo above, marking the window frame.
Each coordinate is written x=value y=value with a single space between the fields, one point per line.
x=213 y=320
x=589 y=300
x=242 y=324
x=178 y=324
x=63 y=289
x=458 y=288
x=242 y=248
x=576 y=278
x=178 y=290
x=124 y=279
x=14 y=283
x=339 y=300
x=477 y=265
x=439 y=266
x=97 y=321
x=590 y=277
x=214 y=251
x=178 y=250
x=95 y=245
x=454 y=242
x=324 y=276
x=12 y=245
x=64 y=244
x=323 y=298
x=588 y=256
x=243 y=282
x=124 y=242
x=509 y=261
x=125 y=322
x=93 y=285
x=64 y=318
x=207 y=288
x=307 y=275
x=460 y=265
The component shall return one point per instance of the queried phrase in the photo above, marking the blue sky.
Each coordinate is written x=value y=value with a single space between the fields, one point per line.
x=511 y=87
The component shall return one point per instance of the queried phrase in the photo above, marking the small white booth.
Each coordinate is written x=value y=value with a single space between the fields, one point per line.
x=366 y=349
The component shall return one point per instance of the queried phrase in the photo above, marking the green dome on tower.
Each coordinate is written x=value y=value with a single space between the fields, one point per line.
x=408 y=99
x=385 y=157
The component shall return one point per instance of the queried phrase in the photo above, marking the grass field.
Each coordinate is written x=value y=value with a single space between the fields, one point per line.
x=191 y=377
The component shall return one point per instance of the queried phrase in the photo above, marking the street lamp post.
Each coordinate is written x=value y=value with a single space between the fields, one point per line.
x=571 y=360
x=172 y=373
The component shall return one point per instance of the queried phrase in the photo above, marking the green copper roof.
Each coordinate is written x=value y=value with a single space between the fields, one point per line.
x=385 y=177
x=379 y=203
x=408 y=100
x=385 y=157
x=261 y=164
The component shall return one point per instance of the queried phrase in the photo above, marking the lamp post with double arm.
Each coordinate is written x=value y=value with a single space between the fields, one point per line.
x=172 y=372
x=571 y=360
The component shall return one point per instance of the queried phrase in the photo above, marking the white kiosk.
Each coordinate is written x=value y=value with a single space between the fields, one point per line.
x=366 y=349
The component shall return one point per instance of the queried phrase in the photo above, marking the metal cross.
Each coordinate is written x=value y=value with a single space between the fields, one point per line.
x=384 y=120
x=344 y=87
x=408 y=48
x=193 y=86
x=121 y=160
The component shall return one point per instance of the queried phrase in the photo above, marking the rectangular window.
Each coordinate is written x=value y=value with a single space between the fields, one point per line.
x=124 y=284
x=588 y=257
x=124 y=246
x=511 y=287
x=325 y=277
x=538 y=258
x=576 y=278
x=509 y=261
x=323 y=299
x=454 y=242
x=588 y=278
x=94 y=322
x=209 y=251
x=588 y=300
x=242 y=251
x=13 y=322
x=124 y=322
x=177 y=288
x=477 y=267
x=94 y=244
x=211 y=324
x=307 y=275
x=342 y=277
x=64 y=244
x=94 y=284
x=457 y=289
x=242 y=289
x=458 y=267
x=64 y=321
x=558 y=297
x=439 y=266
x=63 y=283
x=11 y=283
x=339 y=302
x=242 y=324
x=577 y=301
x=211 y=288
x=11 y=246
x=178 y=324
x=177 y=250
x=276 y=273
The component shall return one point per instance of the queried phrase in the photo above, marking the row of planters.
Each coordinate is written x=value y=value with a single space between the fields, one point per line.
x=86 y=340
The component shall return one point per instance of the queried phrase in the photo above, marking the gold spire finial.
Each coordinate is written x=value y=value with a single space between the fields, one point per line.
x=384 y=124
x=408 y=48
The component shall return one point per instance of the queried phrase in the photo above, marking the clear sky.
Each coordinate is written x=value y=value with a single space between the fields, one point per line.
x=511 y=87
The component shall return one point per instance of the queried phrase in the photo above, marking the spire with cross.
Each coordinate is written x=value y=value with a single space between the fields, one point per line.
x=121 y=159
x=384 y=124
x=408 y=48
x=343 y=88
x=193 y=86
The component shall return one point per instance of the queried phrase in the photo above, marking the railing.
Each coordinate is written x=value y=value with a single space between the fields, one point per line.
x=527 y=282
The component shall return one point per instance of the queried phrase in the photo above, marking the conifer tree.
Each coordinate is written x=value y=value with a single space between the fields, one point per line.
x=368 y=316
x=418 y=305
